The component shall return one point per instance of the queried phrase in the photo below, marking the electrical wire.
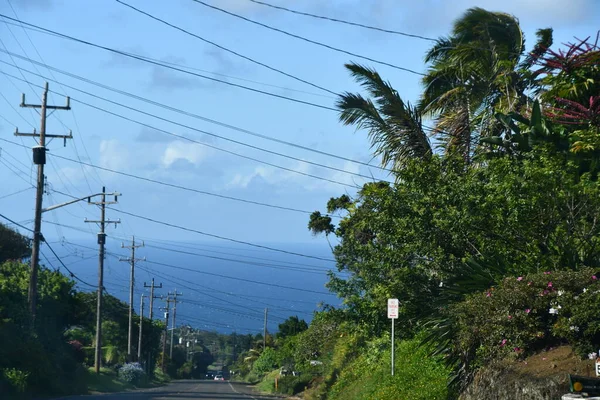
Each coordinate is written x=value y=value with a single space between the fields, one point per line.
x=206 y=133
x=17 y=192
x=161 y=64
x=166 y=277
x=200 y=117
x=304 y=38
x=16 y=223
x=240 y=279
x=218 y=236
x=318 y=271
x=225 y=48
x=375 y=28
x=155 y=181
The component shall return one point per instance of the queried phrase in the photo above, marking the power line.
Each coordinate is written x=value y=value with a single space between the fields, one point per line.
x=218 y=236
x=17 y=192
x=67 y=268
x=177 y=244
x=375 y=28
x=202 y=70
x=200 y=117
x=161 y=64
x=16 y=223
x=225 y=48
x=203 y=143
x=305 y=39
x=206 y=133
x=240 y=279
x=183 y=187
x=268 y=265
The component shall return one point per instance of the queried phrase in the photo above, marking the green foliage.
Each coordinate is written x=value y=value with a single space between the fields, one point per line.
x=13 y=245
x=525 y=314
x=17 y=379
x=291 y=326
x=318 y=340
x=42 y=353
x=266 y=362
x=132 y=373
x=417 y=375
x=293 y=384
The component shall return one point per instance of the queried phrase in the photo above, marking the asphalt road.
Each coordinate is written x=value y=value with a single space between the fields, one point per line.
x=185 y=390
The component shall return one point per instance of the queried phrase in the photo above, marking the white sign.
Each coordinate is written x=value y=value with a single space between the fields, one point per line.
x=392 y=308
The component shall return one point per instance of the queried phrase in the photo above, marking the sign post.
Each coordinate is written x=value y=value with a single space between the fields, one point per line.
x=392 y=309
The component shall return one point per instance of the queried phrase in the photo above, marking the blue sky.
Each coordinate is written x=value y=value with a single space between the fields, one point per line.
x=111 y=142
x=114 y=143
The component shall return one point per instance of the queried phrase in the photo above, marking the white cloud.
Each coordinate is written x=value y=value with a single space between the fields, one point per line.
x=179 y=150
x=274 y=176
x=114 y=155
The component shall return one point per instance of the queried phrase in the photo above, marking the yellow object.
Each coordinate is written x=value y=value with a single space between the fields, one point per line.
x=577 y=386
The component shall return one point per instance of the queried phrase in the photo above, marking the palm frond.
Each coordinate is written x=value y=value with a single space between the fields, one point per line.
x=394 y=126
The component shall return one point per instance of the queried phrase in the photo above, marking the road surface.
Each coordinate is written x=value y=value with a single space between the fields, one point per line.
x=185 y=390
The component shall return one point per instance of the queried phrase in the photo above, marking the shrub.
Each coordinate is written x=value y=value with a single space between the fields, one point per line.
x=132 y=373
x=266 y=362
x=17 y=379
x=293 y=384
x=525 y=314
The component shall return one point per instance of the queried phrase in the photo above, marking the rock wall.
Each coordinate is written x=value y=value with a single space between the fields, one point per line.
x=502 y=382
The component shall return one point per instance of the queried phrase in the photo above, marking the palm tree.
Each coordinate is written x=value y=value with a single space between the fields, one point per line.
x=475 y=72
x=395 y=126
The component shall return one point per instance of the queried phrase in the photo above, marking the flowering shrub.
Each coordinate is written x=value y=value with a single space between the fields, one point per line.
x=132 y=373
x=528 y=313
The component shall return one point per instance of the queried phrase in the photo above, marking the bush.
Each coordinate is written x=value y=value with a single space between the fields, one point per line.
x=17 y=379
x=293 y=384
x=132 y=373
x=525 y=314
x=417 y=375
x=266 y=362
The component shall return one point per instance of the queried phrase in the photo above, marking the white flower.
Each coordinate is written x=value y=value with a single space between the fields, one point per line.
x=584 y=290
x=574 y=328
x=553 y=311
x=561 y=292
x=592 y=356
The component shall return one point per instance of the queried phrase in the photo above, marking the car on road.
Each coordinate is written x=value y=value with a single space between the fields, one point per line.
x=219 y=378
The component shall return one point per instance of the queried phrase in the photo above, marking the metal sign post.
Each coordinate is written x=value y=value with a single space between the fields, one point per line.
x=392 y=308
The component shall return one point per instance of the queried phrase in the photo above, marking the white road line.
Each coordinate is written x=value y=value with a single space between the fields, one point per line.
x=232 y=388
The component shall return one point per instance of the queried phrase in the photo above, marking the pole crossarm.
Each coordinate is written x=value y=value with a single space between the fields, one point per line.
x=54 y=207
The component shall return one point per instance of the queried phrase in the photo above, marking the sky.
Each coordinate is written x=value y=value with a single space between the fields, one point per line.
x=180 y=148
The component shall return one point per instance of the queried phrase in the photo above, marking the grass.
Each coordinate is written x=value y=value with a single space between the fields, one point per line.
x=267 y=385
x=106 y=381
x=417 y=377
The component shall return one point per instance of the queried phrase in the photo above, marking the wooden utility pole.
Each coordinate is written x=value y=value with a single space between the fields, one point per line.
x=265 y=330
x=152 y=286
x=164 y=344
x=101 y=242
x=132 y=261
x=39 y=158
x=139 y=356
x=174 y=294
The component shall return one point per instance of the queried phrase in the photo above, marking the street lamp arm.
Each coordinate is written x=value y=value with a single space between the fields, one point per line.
x=73 y=201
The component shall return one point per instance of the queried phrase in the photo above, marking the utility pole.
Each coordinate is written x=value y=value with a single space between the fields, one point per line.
x=139 y=356
x=132 y=261
x=152 y=297
x=152 y=286
x=174 y=294
x=101 y=242
x=265 y=330
x=164 y=344
x=39 y=158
